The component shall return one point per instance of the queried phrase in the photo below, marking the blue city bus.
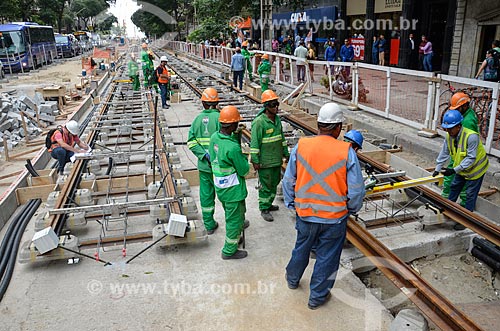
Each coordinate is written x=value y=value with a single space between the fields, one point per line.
x=26 y=44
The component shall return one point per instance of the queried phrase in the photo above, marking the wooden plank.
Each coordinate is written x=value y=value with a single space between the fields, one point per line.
x=380 y=156
x=134 y=182
x=192 y=177
x=25 y=153
x=10 y=175
x=46 y=177
x=24 y=194
x=6 y=149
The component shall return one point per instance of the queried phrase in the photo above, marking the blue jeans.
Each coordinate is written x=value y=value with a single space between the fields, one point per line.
x=428 y=62
x=238 y=77
x=328 y=240
x=301 y=72
x=163 y=94
x=62 y=156
x=375 y=57
x=472 y=188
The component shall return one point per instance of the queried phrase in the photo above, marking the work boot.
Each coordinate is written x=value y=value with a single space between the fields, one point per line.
x=213 y=230
x=316 y=306
x=266 y=215
x=246 y=224
x=458 y=227
x=274 y=208
x=240 y=241
x=238 y=255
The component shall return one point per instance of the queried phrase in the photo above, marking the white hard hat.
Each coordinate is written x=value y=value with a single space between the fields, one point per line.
x=330 y=113
x=163 y=58
x=72 y=127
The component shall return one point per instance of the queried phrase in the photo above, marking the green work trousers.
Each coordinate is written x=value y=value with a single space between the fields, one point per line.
x=235 y=216
x=269 y=179
x=249 y=69
x=207 y=199
x=147 y=76
x=447 y=184
x=264 y=83
x=135 y=82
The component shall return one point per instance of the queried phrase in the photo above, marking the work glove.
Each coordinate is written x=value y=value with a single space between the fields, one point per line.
x=207 y=157
x=448 y=172
x=435 y=173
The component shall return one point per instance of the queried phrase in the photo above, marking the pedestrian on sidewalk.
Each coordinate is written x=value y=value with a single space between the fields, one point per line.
x=382 y=45
x=229 y=167
x=133 y=72
x=62 y=144
x=323 y=184
x=311 y=55
x=238 y=68
x=163 y=79
x=469 y=157
x=461 y=102
x=427 y=51
x=301 y=53
x=268 y=147
x=347 y=55
x=330 y=56
x=375 y=50
x=490 y=67
x=202 y=128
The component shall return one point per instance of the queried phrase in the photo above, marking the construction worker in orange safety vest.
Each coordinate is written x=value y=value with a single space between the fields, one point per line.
x=323 y=184
x=163 y=78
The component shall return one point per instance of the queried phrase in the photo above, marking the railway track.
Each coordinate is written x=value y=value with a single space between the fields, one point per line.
x=433 y=304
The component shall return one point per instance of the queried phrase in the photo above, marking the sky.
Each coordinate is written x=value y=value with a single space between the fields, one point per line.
x=123 y=10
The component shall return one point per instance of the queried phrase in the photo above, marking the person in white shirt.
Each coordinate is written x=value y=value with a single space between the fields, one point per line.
x=301 y=53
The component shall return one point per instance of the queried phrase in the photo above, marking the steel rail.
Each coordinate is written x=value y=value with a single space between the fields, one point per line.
x=454 y=211
x=431 y=302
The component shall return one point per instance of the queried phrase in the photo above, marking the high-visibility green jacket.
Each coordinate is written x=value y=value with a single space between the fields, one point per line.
x=132 y=68
x=146 y=61
x=264 y=68
x=480 y=165
x=229 y=167
x=268 y=145
x=246 y=54
x=202 y=128
x=470 y=120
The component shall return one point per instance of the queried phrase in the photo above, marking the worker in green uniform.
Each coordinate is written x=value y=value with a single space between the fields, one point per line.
x=264 y=71
x=147 y=65
x=267 y=150
x=230 y=167
x=202 y=128
x=461 y=102
x=247 y=55
x=133 y=72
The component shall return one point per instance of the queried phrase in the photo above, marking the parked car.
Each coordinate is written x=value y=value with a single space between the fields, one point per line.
x=67 y=45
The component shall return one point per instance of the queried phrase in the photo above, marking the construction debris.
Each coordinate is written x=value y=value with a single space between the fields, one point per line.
x=18 y=115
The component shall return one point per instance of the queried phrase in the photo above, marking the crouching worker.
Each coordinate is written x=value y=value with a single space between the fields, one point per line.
x=62 y=141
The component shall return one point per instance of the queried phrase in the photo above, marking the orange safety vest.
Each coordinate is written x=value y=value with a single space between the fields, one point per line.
x=68 y=139
x=321 y=187
x=164 y=77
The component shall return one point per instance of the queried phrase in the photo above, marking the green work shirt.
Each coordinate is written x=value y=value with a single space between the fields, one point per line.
x=264 y=68
x=470 y=120
x=268 y=145
x=146 y=61
x=246 y=54
x=202 y=128
x=229 y=167
x=132 y=68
